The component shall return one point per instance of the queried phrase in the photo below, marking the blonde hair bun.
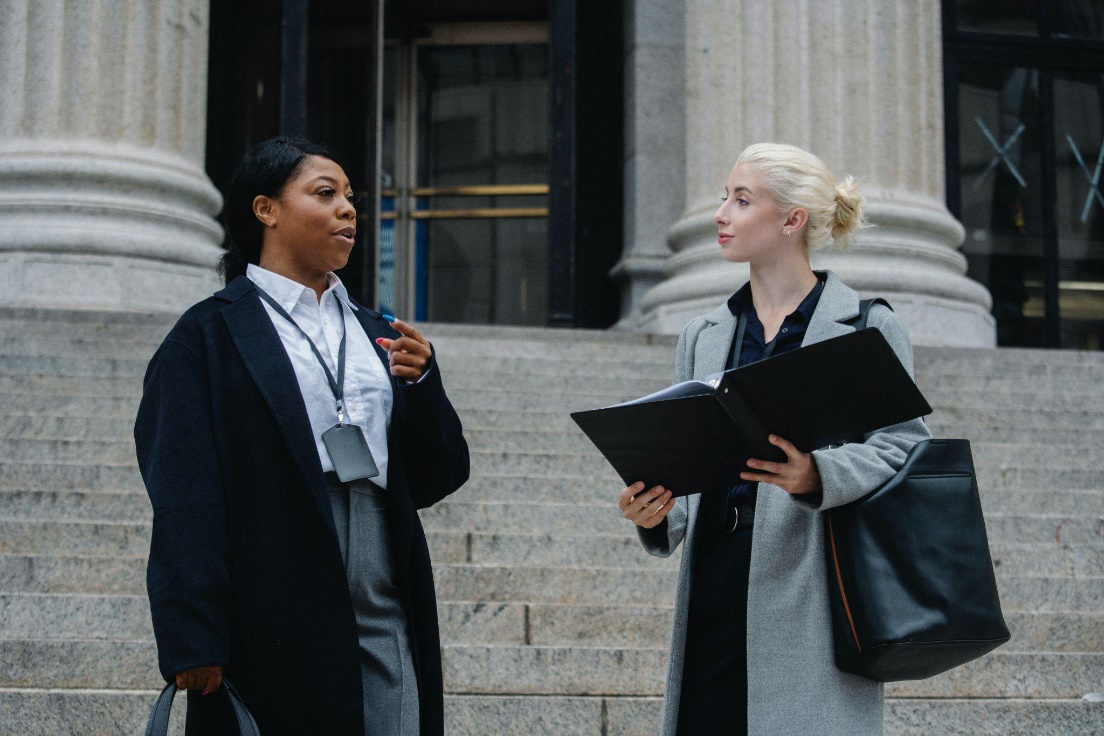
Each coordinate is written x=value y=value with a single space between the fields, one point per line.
x=848 y=216
x=796 y=178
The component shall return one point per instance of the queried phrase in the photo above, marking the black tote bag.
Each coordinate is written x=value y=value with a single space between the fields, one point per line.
x=909 y=571
x=158 y=724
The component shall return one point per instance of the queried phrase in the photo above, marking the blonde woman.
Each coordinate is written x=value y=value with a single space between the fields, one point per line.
x=751 y=651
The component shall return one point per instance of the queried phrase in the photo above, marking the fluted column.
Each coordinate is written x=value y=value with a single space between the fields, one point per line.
x=104 y=202
x=859 y=83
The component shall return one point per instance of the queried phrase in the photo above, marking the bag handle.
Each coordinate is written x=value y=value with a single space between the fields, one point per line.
x=864 y=311
x=158 y=724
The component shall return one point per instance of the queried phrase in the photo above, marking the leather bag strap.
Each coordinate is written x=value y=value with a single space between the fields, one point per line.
x=158 y=724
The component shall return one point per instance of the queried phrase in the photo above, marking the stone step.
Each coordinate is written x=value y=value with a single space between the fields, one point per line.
x=640 y=581
x=127 y=618
x=39 y=711
x=486 y=496
x=613 y=671
x=1012 y=675
x=993 y=717
x=1032 y=459
x=43 y=712
x=114 y=348
x=70 y=405
x=499 y=477
x=990 y=446
x=476 y=391
x=1009 y=537
x=117 y=326
x=114 y=617
x=57 y=477
x=1013 y=357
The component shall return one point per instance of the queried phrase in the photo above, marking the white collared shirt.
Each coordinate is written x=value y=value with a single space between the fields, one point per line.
x=368 y=394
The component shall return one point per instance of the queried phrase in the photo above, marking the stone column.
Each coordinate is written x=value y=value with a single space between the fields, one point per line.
x=655 y=151
x=104 y=203
x=859 y=83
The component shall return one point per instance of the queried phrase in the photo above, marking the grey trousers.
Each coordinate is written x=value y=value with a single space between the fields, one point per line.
x=386 y=663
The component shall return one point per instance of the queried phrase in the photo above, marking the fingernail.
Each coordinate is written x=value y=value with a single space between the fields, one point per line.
x=379 y=340
x=389 y=318
x=203 y=693
x=639 y=485
x=774 y=438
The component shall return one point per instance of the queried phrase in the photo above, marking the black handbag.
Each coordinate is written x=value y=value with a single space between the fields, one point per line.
x=158 y=724
x=909 y=570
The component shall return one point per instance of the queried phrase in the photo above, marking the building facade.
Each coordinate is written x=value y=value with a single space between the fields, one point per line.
x=555 y=162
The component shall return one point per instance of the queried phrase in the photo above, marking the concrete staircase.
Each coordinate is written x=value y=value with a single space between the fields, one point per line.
x=554 y=621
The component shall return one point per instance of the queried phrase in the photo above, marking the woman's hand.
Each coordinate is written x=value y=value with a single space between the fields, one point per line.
x=645 y=509
x=207 y=679
x=409 y=355
x=797 y=476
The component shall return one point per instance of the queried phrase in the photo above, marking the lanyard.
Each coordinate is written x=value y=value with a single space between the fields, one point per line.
x=338 y=385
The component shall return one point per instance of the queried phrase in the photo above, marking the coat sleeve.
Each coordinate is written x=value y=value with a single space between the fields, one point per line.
x=856 y=469
x=665 y=537
x=187 y=576
x=435 y=451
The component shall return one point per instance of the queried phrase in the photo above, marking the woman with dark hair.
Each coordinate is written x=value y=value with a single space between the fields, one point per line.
x=287 y=436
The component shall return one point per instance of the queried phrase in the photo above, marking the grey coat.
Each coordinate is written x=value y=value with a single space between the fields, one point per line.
x=793 y=684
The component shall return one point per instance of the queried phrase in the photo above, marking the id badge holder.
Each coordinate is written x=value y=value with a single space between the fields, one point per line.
x=349 y=452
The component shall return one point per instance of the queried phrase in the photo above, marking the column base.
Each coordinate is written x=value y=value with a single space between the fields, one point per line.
x=90 y=225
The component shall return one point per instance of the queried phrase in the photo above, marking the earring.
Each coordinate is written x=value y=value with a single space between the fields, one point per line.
x=786 y=231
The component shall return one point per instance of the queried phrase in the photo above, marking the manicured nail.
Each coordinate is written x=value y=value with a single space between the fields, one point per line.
x=203 y=693
x=389 y=318
x=379 y=341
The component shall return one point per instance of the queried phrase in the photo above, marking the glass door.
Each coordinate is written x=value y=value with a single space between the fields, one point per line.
x=464 y=175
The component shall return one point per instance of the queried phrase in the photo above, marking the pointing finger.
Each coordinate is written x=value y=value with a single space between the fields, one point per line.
x=407 y=330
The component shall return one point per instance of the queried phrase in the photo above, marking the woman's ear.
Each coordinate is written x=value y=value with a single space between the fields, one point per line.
x=796 y=219
x=265 y=210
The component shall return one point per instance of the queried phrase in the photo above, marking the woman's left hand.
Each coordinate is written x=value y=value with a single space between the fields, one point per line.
x=408 y=355
x=797 y=476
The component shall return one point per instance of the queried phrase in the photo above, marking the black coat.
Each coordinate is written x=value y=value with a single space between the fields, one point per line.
x=245 y=569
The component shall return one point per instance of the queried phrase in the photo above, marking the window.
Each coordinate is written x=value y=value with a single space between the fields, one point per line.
x=1025 y=162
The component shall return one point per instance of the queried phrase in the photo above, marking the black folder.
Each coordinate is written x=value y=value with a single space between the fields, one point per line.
x=697 y=436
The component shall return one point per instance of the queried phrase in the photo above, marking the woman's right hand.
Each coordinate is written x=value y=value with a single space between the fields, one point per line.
x=645 y=508
x=207 y=679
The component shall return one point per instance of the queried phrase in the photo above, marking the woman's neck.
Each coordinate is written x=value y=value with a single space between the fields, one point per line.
x=318 y=282
x=781 y=284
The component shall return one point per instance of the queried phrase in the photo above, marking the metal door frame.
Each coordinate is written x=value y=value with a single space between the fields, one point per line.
x=404 y=189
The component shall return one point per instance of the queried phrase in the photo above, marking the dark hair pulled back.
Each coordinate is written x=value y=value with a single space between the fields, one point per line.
x=266 y=168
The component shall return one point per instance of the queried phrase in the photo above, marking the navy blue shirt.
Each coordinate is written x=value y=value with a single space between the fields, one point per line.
x=755 y=347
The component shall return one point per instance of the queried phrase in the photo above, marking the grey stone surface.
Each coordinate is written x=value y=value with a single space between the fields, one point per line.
x=101 y=506
x=1011 y=675
x=49 y=476
x=128 y=665
x=544 y=585
x=62 y=574
x=545 y=595
x=599 y=626
x=553 y=670
x=74 y=538
x=483 y=715
x=1011 y=717
x=54 y=616
x=87 y=712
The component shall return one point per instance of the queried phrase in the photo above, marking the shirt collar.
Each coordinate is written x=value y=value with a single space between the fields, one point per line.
x=741 y=300
x=288 y=293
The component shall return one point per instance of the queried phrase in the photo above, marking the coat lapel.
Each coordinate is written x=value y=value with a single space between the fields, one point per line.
x=838 y=303
x=264 y=356
x=714 y=341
